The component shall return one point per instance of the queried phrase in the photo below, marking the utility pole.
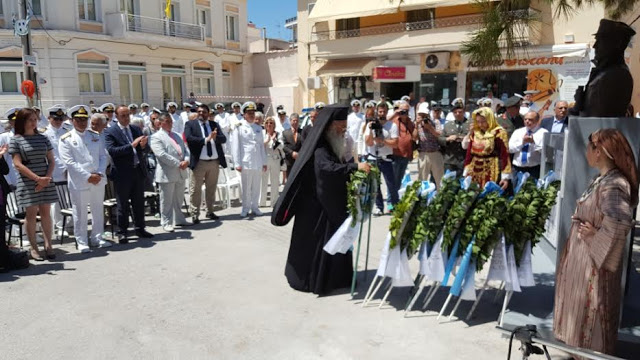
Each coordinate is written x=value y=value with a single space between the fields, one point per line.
x=29 y=73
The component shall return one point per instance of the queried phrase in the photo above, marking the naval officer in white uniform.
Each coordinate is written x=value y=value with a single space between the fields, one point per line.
x=54 y=131
x=250 y=159
x=84 y=155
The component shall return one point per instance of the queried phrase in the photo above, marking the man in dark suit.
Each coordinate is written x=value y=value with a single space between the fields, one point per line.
x=292 y=141
x=204 y=139
x=558 y=123
x=128 y=148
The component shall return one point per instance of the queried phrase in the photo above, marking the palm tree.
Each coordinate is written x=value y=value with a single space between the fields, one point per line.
x=505 y=24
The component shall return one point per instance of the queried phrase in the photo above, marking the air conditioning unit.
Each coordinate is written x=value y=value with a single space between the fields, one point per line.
x=437 y=61
x=314 y=83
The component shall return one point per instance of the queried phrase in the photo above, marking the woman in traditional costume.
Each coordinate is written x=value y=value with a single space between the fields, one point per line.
x=487 y=152
x=588 y=281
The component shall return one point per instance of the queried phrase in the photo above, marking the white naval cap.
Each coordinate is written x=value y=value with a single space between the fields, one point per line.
x=319 y=105
x=107 y=107
x=79 y=111
x=405 y=98
x=133 y=106
x=56 y=110
x=356 y=102
x=144 y=105
x=12 y=113
x=219 y=105
x=170 y=104
x=236 y=104
x=248 y=106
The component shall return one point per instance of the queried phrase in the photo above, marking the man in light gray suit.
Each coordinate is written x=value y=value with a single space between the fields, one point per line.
x=171 y=172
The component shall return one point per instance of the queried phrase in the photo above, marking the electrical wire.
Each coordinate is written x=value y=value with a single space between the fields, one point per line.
x=60 y=42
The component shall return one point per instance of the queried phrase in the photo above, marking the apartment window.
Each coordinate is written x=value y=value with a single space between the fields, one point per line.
x=10 y=76
x=93 y=76
x=232 y=27
x=87 y=10
x=347 y=28
x=132 y=82
x=1 y=8
x=203 y=83
x=203 y=19
x=420 y=15
x=36 y=7
x=172 y=83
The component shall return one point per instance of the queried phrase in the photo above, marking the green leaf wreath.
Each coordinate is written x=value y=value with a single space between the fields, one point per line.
x=359 y=200
x=458 y=214
x=485 y=222
x=432 y=217
x=401 y=211
x=527 y=214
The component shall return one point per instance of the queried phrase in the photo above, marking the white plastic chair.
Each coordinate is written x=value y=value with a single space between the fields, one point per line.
x=227 y=180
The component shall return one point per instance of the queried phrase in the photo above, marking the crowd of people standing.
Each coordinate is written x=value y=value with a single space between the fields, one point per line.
x=488 y=144
x=137 y=151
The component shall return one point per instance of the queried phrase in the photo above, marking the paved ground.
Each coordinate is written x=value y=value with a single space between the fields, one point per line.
x=216 y=290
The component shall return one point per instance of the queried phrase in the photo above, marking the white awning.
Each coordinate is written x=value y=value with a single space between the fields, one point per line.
x=342 y=9
x=350 y=67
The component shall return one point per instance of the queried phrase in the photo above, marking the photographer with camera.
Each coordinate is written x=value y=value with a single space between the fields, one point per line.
x=430 y=160
x=403 y=153
x=381 y=137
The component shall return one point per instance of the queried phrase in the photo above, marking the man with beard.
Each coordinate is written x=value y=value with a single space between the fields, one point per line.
x=316 y=195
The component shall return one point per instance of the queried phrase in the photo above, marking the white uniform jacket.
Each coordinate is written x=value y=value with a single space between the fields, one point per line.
x=168 y=158
x=83 y=154
x=248 y=146
x=178 y=124
x=54 y=136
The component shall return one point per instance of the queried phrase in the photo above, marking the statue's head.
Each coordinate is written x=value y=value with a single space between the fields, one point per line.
x=612 y=39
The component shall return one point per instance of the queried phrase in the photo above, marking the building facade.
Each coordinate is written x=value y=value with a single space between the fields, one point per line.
x=127 y=51
x=365 y=49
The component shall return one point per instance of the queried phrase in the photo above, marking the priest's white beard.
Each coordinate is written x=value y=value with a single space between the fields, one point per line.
x=336 y=142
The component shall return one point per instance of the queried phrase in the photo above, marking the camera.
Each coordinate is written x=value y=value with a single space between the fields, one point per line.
x=403 y=112
x=376 y=127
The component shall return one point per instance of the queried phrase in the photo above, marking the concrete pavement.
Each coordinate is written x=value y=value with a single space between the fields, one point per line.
x=217 y=291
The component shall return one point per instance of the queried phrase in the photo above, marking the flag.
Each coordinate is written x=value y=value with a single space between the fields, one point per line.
x=167 y=10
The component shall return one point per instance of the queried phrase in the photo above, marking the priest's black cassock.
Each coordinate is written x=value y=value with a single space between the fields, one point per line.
x=316 y=195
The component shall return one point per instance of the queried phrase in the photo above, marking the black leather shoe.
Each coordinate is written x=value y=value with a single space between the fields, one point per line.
x=212 y=216
x=122 y=238
x=142 y=233
x=195 y=220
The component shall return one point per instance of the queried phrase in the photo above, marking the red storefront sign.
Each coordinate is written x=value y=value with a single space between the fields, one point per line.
x=389 y=73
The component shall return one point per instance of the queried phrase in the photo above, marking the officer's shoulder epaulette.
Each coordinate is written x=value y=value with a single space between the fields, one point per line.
x=65 y=135
x=42 y=130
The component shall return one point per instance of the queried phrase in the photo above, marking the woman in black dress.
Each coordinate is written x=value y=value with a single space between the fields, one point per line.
x=32 y=156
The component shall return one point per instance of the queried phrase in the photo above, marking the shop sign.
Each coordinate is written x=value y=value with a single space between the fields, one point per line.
x=529 y=62
x=389 y=73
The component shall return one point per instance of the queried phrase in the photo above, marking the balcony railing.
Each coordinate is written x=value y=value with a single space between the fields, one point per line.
x=156 y=26
x=452 y=21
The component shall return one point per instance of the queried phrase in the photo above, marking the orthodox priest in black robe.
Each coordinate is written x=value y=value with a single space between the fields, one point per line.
x=316 y=195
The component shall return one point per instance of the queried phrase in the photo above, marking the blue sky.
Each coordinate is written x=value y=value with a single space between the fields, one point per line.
x=272 y=14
